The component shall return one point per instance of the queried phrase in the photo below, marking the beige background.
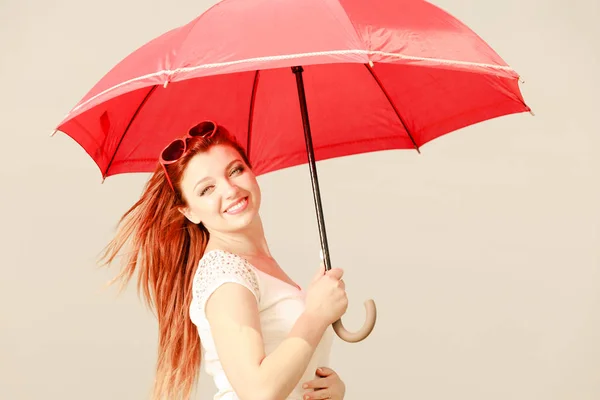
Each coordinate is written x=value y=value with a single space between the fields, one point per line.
x=482 y=253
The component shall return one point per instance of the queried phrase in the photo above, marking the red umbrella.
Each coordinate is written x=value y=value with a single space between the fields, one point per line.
x=371 y=75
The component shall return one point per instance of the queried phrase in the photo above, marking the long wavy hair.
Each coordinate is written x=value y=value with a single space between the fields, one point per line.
x=164 y=248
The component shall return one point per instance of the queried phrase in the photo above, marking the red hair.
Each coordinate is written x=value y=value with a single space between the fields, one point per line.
x=165 y=249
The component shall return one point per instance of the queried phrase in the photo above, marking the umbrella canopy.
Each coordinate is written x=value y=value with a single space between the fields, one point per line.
x=298 y=81
x=378 y=75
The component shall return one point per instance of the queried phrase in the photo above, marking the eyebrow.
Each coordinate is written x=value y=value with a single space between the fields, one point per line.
x=208 y=177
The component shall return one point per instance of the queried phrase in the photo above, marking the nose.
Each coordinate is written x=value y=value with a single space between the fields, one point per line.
x=230 y=190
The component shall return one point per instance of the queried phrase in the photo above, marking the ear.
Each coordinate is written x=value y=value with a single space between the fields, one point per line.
x=189 y=215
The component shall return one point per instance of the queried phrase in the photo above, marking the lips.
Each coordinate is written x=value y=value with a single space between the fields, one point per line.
x=237 y=206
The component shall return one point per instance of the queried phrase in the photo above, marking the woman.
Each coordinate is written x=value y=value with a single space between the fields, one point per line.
x=198 y=245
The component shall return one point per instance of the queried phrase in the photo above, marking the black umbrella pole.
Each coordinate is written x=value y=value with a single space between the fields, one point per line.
x=313 y=167
x=338 y=326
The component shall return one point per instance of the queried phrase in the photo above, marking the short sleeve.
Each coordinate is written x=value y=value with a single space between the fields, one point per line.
x=217 y=268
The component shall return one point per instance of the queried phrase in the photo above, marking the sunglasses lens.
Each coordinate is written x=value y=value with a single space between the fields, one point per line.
x=174 y=151
x=203 y=129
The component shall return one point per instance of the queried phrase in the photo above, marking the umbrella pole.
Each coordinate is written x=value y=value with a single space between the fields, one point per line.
x=312 y=166
x=369 y=304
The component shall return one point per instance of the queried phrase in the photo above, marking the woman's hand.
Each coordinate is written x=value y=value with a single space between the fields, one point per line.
x=327 y=386
x=326 y=297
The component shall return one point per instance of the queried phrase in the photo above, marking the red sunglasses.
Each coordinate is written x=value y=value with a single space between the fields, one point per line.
x=177 y=148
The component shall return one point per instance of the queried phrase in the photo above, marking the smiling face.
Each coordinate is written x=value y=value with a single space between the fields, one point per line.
x=220 y=190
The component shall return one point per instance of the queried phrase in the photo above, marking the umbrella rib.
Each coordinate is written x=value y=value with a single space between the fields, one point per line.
x=251 y=112
x=387 y=96
x=168 y=74
x=142 y=103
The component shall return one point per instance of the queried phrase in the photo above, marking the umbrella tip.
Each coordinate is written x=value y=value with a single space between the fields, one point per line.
x=53 y=133
x=371 y=64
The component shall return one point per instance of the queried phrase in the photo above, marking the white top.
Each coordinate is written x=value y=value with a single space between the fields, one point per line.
x=279 y=305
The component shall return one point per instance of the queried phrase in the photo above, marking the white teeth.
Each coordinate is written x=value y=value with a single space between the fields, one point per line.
x=237 y=206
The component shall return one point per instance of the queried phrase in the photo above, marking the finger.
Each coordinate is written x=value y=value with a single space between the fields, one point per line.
x=342 y=284
x=324 y=372
x=320 y=271
x=335 y=273
x=318 y=395
x=320 y=383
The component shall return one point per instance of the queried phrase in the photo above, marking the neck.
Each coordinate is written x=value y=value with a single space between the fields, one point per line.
x=251 y=241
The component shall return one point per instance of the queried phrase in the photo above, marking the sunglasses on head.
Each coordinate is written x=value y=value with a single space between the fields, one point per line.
x=177 y=148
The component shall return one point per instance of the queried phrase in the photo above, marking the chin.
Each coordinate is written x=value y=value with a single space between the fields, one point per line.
x=235 y=223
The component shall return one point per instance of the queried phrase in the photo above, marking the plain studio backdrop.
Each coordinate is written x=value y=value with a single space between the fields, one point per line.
x=482 y=253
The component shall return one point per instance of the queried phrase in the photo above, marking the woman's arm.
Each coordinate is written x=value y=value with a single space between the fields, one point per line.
x=234 y=321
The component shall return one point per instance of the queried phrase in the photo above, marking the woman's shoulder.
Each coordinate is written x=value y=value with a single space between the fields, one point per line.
x=221 y=260
x=215 y=269
x=219 y=266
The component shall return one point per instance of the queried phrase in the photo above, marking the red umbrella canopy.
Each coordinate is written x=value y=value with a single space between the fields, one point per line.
x=378 y=75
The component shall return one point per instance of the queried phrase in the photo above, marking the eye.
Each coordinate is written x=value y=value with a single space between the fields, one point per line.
x=205 y=190
x=237 y=170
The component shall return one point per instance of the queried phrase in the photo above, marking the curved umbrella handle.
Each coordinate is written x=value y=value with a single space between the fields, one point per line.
x=362 y=333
